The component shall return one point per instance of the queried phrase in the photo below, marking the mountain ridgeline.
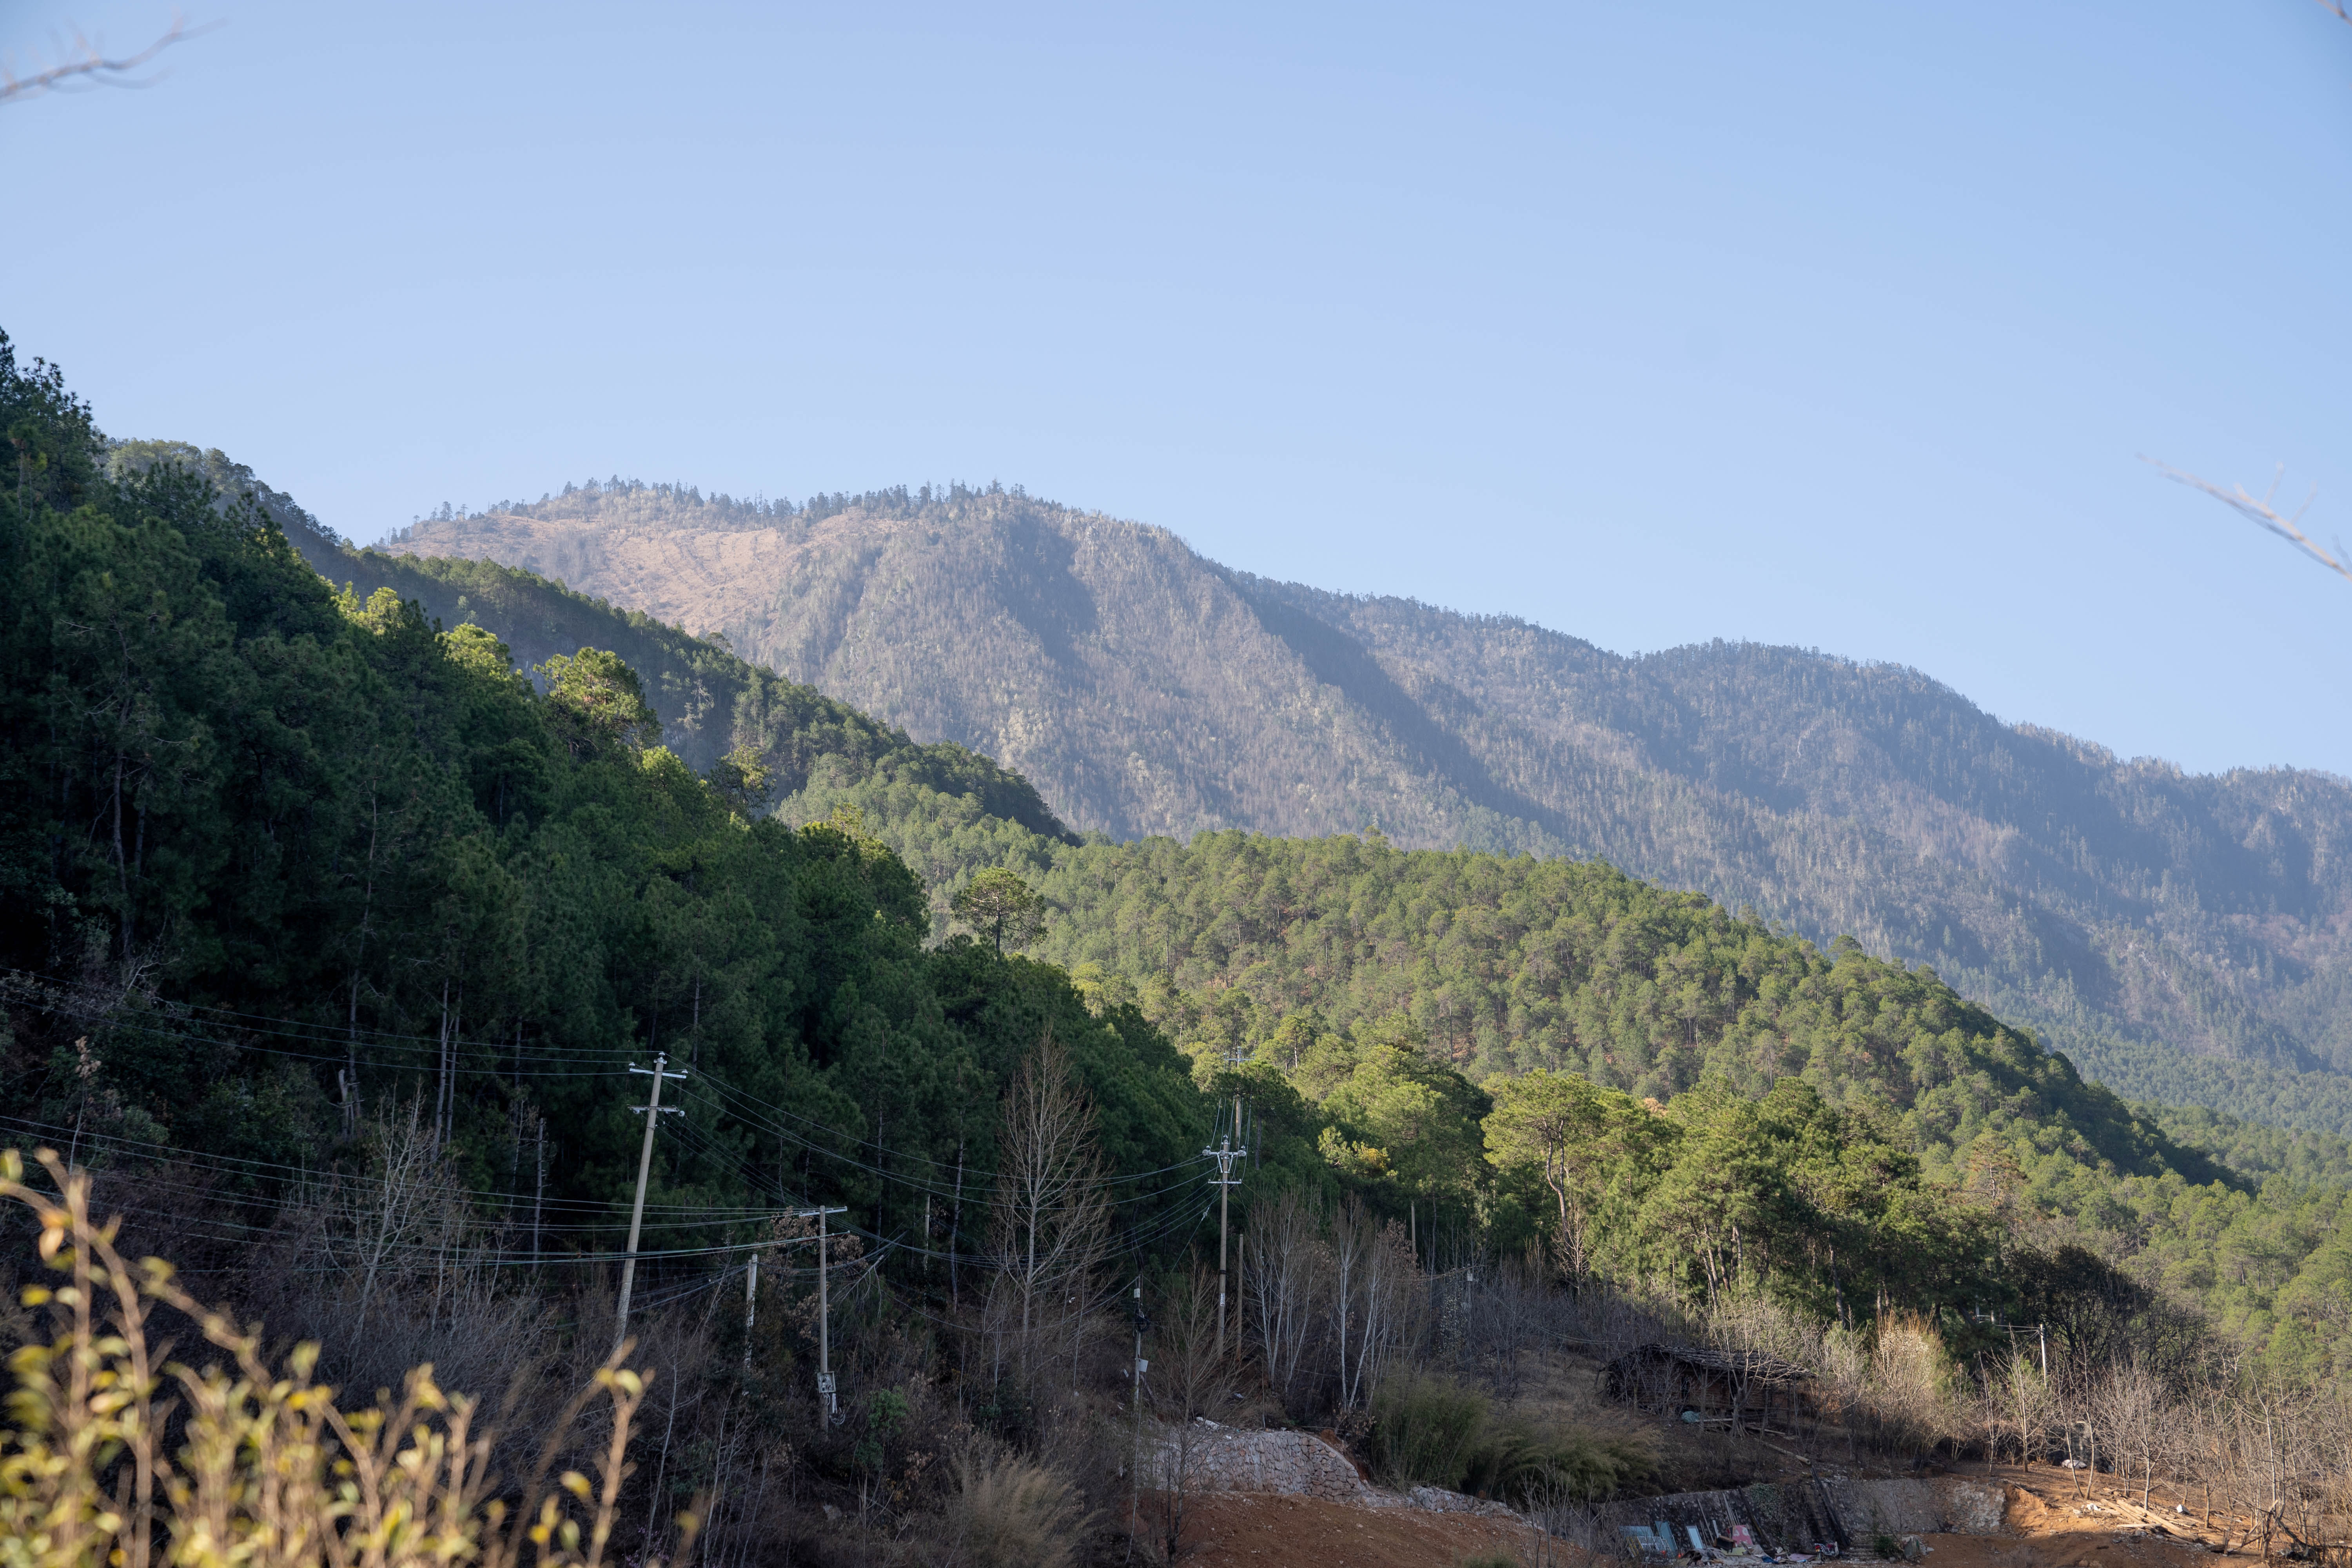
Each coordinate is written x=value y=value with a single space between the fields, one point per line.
x=710 y=700
x=293 y=867
x=338 y=947
x=2182 y=936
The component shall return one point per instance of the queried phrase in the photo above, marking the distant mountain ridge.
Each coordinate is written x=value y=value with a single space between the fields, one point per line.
x=710 y=700
x=1147 y=689
x=2185 y=935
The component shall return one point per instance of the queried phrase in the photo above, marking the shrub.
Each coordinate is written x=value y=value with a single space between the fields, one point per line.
x=273 y=1474
x=1518 y=1463
x=1011 y=1512
x=1908 y=1397
x=1423 y=1429
x=1428 y=1430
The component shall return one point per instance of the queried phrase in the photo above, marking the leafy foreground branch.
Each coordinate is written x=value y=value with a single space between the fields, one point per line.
x=270 y=1471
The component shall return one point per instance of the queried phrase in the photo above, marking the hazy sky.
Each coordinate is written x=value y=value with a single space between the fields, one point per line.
x=1833 y=325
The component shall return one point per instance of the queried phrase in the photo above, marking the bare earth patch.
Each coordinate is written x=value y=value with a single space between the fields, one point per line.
x=2048 y=1523
x=1236 y=1529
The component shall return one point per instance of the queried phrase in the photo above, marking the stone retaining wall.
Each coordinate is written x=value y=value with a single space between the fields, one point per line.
x=1229 y=1459
x=1216 y=1458
x=1795 y=1515
x=1792 y=1515
x=1945 y=1505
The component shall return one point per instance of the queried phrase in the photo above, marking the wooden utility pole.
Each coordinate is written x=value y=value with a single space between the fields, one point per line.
x=750 y=1305
x=539 y=1199
x=1224 y=1155
x=1135 y=1478
x=652 y=1111
x=824 y=1385
x=514 y=1164
x=955 y=1235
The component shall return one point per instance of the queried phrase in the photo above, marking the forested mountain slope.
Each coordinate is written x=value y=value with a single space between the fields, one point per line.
x=338 y=950
x=2184 y=937
x=710 y=701
x=289 y=870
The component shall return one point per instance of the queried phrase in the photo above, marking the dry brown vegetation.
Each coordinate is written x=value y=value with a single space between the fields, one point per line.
x=269 y=1468
x=1010 y=1430
x=235 y=1451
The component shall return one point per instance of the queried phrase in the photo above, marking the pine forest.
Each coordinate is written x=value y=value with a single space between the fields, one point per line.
x=491 y=1075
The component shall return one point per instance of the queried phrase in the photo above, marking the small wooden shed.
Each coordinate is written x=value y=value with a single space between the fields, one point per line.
x=1748 y=1388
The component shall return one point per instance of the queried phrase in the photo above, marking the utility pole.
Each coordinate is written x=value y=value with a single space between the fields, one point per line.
x=1224 y=1155
x=514 y=1165
x=539 y=1200
x=1134 y=1480
x=750 y=1305
x=824 y=1384
x=652 y=1111
x=955 y=1235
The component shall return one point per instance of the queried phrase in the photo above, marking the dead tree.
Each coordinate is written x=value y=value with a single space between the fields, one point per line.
x=1052 y=1217
x=1279 y=1286
x=1188 y=1379
x=2265 y=516
x=1372 y=1297
x=86 y=64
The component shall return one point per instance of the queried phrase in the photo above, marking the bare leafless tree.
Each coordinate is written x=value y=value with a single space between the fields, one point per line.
x=2020 y=1403
x=1051 y=1216
x=1371 y=1298
x=1280 y=1278
x=2263 y=514
x=2126 y=1409
x=395 y=1215
x=1188 y=1378
x=84 y=63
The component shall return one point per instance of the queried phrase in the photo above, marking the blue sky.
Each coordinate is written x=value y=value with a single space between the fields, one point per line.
x=1839 y=325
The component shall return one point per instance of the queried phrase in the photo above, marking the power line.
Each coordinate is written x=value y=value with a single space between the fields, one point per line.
x=49 y=996
x=738 y=1103
x=754 y=1114
x=761 y=1182
x=727 y=1102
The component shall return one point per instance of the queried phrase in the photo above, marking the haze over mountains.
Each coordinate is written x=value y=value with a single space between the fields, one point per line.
x=2184 y=936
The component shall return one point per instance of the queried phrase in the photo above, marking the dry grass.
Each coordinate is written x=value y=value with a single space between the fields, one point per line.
x=1011 y=1512
x=271 y=1471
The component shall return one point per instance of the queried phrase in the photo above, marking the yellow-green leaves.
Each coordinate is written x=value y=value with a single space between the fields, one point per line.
x=271 y=1473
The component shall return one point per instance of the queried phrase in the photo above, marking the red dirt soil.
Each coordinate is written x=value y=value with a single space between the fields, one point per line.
x=2045 y=1527
x=1233 y=1530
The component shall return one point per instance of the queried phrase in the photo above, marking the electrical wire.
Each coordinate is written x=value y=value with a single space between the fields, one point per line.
x=24 y=981
x=608 y=1065
x=751 y=1111
x=738 y=1103
x=760 y=1182
x=55 y=1134
x=746 y=1097
x=976 y=1201
x=725 y=1101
